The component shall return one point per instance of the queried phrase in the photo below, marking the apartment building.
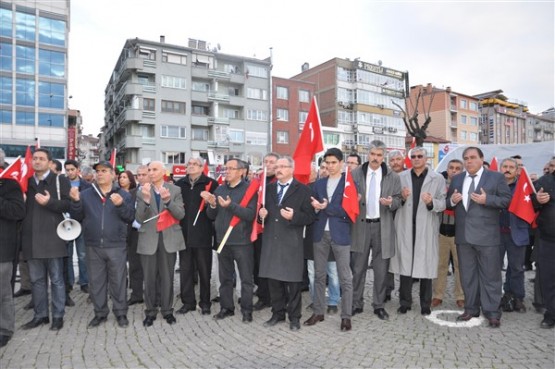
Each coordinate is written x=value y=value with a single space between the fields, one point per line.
x=357 y=103
x=33 y=76
x=170 y=102
x=539 y=127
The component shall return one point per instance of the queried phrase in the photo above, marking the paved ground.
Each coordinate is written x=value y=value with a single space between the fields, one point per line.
x=196 y=341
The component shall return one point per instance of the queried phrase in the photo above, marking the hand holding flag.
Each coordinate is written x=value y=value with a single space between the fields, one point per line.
x=521 y=204
x=350 y=197
x=408 y=163
x=310 y=143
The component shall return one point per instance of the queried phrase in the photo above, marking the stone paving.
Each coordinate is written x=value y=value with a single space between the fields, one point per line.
x=197 y=341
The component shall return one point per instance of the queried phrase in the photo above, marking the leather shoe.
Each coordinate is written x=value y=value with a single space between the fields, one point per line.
x=345 y=325
x=4 y=340
x=224 y=313
x=436 y=302
x=403 y=309
x=332 y=309
x=494 y=322
x=170 y=319
x=22 y=292
x=185 y=309
x=460 y=303
x=148 y=321
x=122 y=321
x=295 y=325
x=85 y=288
x=96 y=321
x=547 y=323
x=275 y=319
x=314 y=319
x=425 y=311
x=205 y=311
x=35 y=323
x=29 y=306
x=357 y=311
x=387 y=298
x=260 y=305
x=133 y=301
x=57 y=324
x=382 y=314
x=465 y=317
x=247 y=317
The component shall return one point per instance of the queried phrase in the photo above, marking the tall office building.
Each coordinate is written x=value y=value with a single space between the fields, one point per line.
x=33 y=75
x=169 y=102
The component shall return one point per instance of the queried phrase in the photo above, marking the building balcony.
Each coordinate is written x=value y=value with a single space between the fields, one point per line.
x=199 y=145
x=454 y=125
x=199 y=120
x=219 y=144
x=133 y=142
x=218 y=74
x=131 y=88
x=133 y=115
x=199 y=72
x=218 y=120
x=218 y=97
x=453 y=107
x=199 y=96
x=237 y=78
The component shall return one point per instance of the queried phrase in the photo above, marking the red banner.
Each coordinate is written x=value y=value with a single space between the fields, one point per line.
x=71 y=143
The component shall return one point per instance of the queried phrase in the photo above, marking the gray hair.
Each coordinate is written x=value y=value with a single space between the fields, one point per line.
x=289 y=160
x=377 y=144
x=419 y=149
x=199 y=160
x=394 y=153
x=273 y=154
x=511 y=160
x=86 y=171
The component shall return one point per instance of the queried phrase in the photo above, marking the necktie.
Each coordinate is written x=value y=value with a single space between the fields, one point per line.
x=371 y=196
x=280 y=192
x=471 y=190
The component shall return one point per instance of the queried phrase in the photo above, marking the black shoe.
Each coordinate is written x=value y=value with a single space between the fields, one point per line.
x=547 y=323
x=387 y=298
x=185 y=309
x=247 y=317
x=122 y=321
x=465 y=317
x=96 y=321
x=382 y=314
x=260 y=305
x=69 y=301
x=425 y=311
x=332 y=309
x=403 y=309
x=29 y=306
x=85 y=288
x=35 y=323
x=224 y=313
x=216 y=299
x=345 y=325
x=357 y=311
x=57 y=324
x=295 y=325
x=148 y=321
x=21 y=292
x=133 y=301
x=170 y=319
x=4 y=340
x=205 y=311
x=275 y=319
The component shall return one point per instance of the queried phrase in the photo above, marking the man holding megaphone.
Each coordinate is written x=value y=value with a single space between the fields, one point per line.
x=104 y=212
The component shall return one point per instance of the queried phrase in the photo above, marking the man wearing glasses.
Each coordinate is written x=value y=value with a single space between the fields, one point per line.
x=417 y=229
x=224 y=203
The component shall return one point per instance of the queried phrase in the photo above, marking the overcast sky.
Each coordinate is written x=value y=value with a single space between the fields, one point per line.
x=471 y=46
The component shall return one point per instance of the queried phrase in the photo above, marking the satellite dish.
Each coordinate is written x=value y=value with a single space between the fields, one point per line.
x=68 y=229
x=380 y=63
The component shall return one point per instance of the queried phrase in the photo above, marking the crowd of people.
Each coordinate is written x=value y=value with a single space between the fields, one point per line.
x=414 y=223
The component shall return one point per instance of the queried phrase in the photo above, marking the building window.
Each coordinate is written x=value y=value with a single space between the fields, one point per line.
x=473 y=136
x=282 y=93
x=25 y=92
x=176 y=107
x=25 y=26
x=283 y=114
x=200 y=86
x=51 y=120
x=304 y=96
x=256 y=71
x=257 y=93
x=199 y=110
x=52 y=31
x=231 y=68
x=199 y=134
x=6 y=90
x=5 y=117
x=233 y=91
x=474 y=106
x=147 y=130
x=282 y=137
x=5 y=55
x=474 y=121
x=463 y=135
x=231 y=113
x=463 y=119
x=25 y=59
x=52 y=63
x=171 y=157
x=168 y=57
x=463 y=104
x=256 y=138
x=172 y=132
x=174 y=82
x=236 y=135
x=302 y=116
x=51 y=95
x=24 y=118
x=149 y=104
x=6 y=22
x=331 y=138
x=147 y=53
x=260 y=115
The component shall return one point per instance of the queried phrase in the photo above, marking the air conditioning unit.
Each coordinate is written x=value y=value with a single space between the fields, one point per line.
x=381 y=106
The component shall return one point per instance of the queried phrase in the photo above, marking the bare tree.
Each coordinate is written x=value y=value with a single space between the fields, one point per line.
x=411 y=113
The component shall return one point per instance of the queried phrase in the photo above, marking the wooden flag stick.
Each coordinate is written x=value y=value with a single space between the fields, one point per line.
x=224 y=240
x=196 y=218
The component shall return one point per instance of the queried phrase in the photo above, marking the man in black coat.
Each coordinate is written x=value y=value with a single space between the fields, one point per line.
x=199 y=238
x=12 y=209
x=287 y=210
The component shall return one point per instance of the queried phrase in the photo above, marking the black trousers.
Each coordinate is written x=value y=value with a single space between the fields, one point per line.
x=546 y=260
x=202 y=258
x=135 y=268
x=286 y=296
x=263 y=291
x=405 y=292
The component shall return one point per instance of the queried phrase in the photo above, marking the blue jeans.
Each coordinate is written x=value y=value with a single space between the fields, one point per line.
x=81 y=259
x=333 y=282
x=38 y=269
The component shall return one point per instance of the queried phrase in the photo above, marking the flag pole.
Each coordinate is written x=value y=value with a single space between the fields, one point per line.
x=264 y=192
x=224 y=240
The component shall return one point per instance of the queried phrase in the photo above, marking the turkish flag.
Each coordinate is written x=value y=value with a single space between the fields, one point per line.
x=13 y=171
x=205 y=170
x=521 y=204
x=310 y=143
x=493 y=165
x=408 y=163
x=113 y=158
x=165 y=221
x=27 y=170
x=220 y=180
x=258 y=228
x=350 y=197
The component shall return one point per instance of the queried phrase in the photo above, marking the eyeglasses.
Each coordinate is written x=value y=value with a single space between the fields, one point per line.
x=416 y=156
x=283 y=166
x=228 y=169
x=193 y=164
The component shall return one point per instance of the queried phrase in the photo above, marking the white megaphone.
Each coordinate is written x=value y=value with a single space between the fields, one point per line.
x=68 y=229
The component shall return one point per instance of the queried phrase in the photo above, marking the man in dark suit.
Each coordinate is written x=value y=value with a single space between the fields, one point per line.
x=477 y=195
x=287 y=211
x=332 y=230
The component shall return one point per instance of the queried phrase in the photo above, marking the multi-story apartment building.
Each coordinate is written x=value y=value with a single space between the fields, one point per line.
x=88 y=150
x=454 y=115
x=501 y=121
x=33 y=75
x=290 y=105
x=169 y=102
x=356 y=102
x=540 y=127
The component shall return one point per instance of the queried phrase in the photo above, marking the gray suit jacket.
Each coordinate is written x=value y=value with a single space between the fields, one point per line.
x=148 y=235
x=480 y=224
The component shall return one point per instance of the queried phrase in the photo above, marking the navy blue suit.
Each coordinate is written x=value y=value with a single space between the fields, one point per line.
x=340 y=223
